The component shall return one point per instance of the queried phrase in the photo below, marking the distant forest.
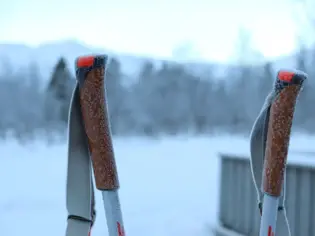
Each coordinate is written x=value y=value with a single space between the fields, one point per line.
x=170 y=100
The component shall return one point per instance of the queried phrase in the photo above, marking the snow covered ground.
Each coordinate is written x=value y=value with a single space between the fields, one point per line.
x=168 y=186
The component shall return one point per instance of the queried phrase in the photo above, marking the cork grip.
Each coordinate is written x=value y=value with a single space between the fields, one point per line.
x=287 y=88
x=91 y=77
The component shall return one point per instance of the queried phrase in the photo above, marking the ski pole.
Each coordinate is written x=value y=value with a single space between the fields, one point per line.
x=90 y=74
x=286 y=89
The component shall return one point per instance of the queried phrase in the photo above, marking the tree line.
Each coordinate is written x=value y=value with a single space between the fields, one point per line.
x=170 y=100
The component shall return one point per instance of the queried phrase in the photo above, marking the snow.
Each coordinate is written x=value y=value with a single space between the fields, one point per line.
x=168 y=186
x=301 y=150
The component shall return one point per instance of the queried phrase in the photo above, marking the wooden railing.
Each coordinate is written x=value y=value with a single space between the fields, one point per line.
x=238 y=212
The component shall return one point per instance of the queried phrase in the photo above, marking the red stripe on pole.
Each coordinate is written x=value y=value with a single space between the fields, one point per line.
x=120 y=229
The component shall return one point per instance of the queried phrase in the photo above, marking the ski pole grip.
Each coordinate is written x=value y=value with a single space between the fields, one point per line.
x=90 y=74
x=287 y=87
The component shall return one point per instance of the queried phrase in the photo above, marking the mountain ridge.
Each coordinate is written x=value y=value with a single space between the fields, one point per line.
x=20 y=55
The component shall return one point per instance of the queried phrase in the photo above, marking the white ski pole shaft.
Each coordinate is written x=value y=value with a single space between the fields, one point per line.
x=287 y=87
x=90 y=73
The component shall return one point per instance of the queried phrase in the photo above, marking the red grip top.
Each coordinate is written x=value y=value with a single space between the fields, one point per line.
x=85 y=61
x=286 y=76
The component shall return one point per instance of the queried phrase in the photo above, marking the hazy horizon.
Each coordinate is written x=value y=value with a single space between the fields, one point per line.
x=194 y=29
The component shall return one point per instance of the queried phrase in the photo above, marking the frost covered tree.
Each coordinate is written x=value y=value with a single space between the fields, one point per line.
x=142 y=95
x=265 y=81
x=22 y=116
x=59 y=92
x=242 y=79
x=116 y=95
x=305 y=112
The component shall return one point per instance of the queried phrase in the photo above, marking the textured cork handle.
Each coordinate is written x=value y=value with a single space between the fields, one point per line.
x=287 y=87
x=90 y=72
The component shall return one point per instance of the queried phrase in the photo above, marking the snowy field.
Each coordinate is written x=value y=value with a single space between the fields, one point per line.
x=168 y=187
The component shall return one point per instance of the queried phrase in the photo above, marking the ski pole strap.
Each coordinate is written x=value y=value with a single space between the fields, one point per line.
x=258 y=140
x=260 y=206
x=74 y=217
x=80 y=190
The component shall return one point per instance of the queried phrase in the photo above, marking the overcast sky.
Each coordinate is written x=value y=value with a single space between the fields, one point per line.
x=152 y=27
